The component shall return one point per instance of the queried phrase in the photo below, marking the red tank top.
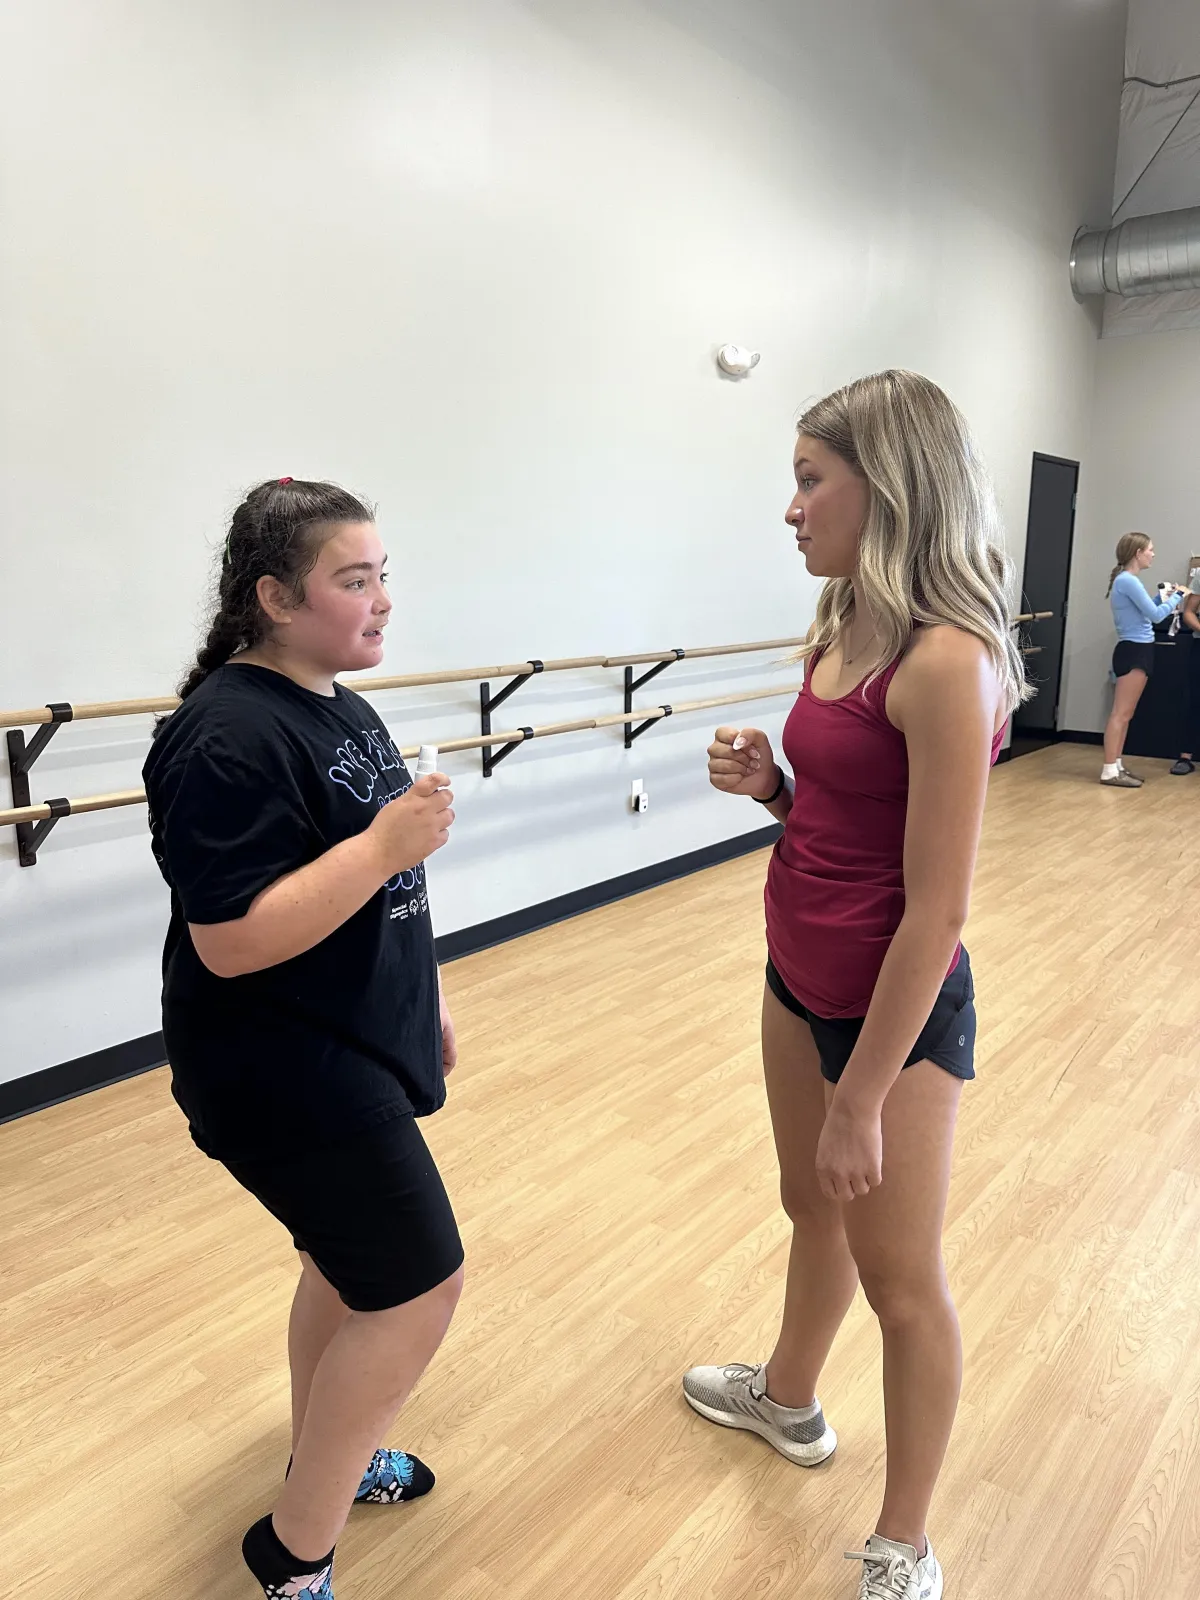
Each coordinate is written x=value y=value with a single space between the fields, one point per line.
x=835 y=887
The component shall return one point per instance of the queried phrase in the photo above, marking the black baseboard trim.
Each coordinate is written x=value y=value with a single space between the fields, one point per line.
x=1052 y=736
x=37 y=1090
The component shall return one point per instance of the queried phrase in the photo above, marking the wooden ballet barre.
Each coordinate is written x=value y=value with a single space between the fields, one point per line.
x=1031 y=616
x=660 y=661
x=75 y=808
x=695 y=655
x=509 y=736
x=49 y=718
x=134 y=708
x=611 y=719
x=518 y=669
x=50 y=811
x=88 y=711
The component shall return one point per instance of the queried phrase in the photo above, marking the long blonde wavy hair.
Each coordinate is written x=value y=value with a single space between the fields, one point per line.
x=931 y=549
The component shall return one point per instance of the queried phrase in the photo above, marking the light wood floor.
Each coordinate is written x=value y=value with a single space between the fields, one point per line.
x=607 y=1148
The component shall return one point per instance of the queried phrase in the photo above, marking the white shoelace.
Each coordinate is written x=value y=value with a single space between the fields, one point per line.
x=886 y=1576
x=738 y=1372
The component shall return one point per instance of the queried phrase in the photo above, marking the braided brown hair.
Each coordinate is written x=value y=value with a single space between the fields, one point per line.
x=275 y=532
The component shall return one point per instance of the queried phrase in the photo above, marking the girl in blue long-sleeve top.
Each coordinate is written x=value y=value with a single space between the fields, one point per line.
x=1134 y=614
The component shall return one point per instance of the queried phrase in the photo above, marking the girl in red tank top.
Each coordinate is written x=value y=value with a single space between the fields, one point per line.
x=835 y=888
x=868 y=1014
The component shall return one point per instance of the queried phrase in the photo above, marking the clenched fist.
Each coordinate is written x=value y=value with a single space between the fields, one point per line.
x=740 y=761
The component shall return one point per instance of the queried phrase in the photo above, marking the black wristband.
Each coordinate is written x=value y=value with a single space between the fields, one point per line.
x=779 y=788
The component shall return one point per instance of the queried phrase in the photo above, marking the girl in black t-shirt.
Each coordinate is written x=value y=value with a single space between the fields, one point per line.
x=302 y=1005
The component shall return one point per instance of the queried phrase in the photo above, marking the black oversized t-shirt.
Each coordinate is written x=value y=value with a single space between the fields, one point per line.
x=250 y=779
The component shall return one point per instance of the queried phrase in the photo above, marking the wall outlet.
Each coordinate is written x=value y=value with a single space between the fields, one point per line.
x=639 y=800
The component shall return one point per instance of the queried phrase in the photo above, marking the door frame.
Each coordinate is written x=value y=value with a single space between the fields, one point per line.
x=1058 y=461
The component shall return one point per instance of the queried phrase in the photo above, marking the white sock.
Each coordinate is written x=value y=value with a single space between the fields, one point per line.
x=1110 y=769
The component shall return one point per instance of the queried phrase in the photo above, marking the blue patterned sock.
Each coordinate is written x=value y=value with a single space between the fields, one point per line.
x=393 y=1476
x=284 y=1576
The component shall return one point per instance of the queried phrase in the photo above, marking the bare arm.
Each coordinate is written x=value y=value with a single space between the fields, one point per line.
x=944 y=699
x=449 y=1039
x=296 y=912
x=303 y=907
x=1191 y=612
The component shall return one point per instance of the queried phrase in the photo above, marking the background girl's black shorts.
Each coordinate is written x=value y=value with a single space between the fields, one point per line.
x=1130 y=654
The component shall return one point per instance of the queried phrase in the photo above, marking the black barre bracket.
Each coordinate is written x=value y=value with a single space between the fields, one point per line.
x=632 y=733
x=21 y=757
x=32 y=836
x=488 y=703
x=632 y=684
x=491 y=762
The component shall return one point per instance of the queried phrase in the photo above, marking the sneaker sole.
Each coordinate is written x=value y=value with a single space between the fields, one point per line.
x=801 y=1455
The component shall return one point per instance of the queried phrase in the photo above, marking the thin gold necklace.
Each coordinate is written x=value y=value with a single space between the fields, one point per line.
x=848 y=660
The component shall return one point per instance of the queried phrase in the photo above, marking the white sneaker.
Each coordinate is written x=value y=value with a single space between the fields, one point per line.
x=892 y=1571
x=736 y=1397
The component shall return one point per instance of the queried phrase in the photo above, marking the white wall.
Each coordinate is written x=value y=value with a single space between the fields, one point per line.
x=473 y=259
x=1141 y=476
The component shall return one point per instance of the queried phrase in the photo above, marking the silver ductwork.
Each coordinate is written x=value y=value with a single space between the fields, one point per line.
x=1145 y=255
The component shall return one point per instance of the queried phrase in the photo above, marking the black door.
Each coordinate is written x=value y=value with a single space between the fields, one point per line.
x=1048 y=539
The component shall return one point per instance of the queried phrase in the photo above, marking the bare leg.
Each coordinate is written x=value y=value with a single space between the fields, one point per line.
x=895 y=1235
x=317 y=1313
x=821 y=1276
x=358 y=1385
x=1125 y=698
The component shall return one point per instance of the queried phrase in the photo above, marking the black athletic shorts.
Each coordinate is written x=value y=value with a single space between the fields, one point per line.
x=947 y=1039
x=371 y=1211
x=1130 y=654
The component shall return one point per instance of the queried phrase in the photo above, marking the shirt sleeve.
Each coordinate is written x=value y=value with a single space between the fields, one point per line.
x=231 y=825
x=1136 y=592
